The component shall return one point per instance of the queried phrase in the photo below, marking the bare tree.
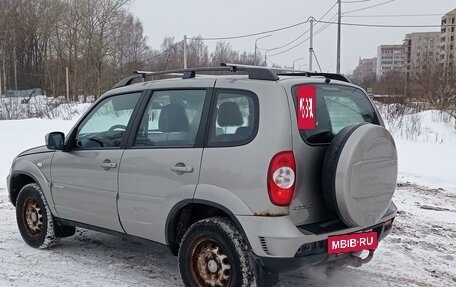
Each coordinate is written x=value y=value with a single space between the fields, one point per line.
x=223 y=53
x=435 y=86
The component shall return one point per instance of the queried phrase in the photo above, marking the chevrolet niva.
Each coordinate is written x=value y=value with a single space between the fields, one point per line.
x=243 y=175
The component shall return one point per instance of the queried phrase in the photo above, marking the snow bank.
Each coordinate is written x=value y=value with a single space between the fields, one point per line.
x=426 y=143
x=19 y=135
x=41 y=107
x=427 y=126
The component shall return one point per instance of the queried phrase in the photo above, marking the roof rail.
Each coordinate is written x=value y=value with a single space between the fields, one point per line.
x=184 y=73
x=254 y=72
x=331 y=76
x=288 y=72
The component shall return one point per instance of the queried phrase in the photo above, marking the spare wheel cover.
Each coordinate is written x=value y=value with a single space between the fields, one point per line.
x=359 y=174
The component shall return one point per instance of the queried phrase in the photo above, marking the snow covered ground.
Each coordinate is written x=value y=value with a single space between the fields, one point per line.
x=421 y=250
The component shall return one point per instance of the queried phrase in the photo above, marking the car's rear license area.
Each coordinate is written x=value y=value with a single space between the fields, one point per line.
x=352 y=242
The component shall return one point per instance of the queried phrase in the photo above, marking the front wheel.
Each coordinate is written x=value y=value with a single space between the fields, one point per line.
x=214 y=253
x=34 y=219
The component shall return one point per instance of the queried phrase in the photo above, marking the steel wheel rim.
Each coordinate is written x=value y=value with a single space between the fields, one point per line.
x=32 y=217
x=210 y=264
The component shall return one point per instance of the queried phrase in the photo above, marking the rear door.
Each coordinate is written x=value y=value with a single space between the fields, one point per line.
x=162 y=164
x=327 y=109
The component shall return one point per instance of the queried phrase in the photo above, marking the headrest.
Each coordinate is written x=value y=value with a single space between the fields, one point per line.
x=173 y=118
x=229 y=115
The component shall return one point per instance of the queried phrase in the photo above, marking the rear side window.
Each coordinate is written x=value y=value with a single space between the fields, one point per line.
x=336 y=107
x=234 y=121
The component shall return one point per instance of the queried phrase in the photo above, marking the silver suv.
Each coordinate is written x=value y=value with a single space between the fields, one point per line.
x=243 y=176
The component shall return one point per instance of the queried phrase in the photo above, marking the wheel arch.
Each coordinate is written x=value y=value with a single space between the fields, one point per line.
x=18 y=180
x=186 y=212
x=26 y=168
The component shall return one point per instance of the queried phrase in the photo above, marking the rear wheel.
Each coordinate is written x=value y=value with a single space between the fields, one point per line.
x=213 y=253
x=34 y=218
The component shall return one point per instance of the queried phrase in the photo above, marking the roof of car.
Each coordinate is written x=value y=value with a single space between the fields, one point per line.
x=288 y=80
x=242 y=72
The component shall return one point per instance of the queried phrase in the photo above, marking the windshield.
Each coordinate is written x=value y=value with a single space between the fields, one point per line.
x=336 y=107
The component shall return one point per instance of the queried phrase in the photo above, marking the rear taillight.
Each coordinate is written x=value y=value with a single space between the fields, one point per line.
x=281 y=178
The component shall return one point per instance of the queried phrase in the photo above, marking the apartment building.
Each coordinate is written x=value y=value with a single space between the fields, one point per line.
x=422 y=50
x=448 y=40
x=365 y=68
x=390 y=58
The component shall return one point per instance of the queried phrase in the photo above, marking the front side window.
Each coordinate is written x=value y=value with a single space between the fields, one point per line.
x=172 y=118
x=235 y=118
x=106 y=124
x=336 y=108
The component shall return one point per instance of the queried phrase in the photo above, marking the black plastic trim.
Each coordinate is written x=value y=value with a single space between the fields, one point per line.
x=104 y=230
x=205 y=118
x=174 y=212
x=286 y=264
x=12 y=175
x=254 y=73
x=328 y=76
x=147 y=95
x=127 y=81
x=280 y=264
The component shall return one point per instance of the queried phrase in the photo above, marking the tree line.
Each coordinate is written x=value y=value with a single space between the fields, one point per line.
x=430 y=85
x=99 y=41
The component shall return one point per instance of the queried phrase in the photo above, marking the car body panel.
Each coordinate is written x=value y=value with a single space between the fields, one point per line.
x=284 y=240
x=35 y=150
x=148 y=188
x=242 y=170
x=37 y=166
x=84 y=191
x=308 y=206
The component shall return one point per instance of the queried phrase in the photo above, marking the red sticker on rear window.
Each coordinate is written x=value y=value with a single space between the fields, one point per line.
x=306 y=107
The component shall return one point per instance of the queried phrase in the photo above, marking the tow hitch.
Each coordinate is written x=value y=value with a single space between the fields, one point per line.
x=354 y=260
x=358 y=261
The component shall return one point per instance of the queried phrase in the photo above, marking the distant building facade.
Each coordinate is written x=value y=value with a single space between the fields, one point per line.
x=419 y=51
x=390 y=58
x=422 y=49
x=448 y=39
x=365 y=68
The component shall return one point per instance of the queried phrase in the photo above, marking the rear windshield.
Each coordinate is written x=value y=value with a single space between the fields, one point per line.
x=336 y=107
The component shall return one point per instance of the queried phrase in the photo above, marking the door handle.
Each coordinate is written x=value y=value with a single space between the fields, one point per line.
x=107 y=164
x=180 y=168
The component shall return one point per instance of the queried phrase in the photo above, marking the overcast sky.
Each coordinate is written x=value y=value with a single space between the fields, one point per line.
x=216 y=18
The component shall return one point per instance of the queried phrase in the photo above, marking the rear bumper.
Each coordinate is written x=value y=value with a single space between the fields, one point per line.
x=278 y=265
x=281 y=246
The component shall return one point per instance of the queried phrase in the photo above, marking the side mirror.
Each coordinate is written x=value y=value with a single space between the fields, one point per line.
x=55 y=140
